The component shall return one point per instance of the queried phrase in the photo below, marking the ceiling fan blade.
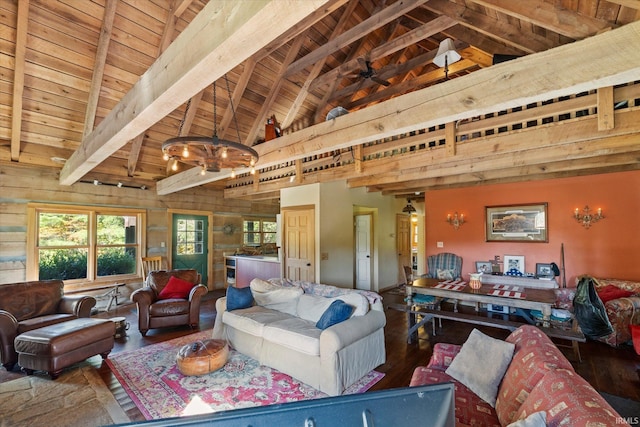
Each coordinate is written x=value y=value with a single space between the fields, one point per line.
x=380 y=81
x=364 y=64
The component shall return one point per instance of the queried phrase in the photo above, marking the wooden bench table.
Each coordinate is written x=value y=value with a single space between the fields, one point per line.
x=573 y=335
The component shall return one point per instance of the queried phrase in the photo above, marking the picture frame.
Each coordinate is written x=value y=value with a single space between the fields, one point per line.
x=544 y=270
x=517 y=223
x=484 y=266
x=514 y=261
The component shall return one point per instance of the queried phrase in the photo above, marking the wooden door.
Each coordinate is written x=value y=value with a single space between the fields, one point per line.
x=403 y=243
x=190 y=243
x=363 y=251
x=299 y=243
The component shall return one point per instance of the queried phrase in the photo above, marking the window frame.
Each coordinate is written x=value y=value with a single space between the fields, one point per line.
x=92 y=280
x=261 y=232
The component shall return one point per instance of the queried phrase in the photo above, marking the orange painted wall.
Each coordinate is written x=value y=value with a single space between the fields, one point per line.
x=610 y=248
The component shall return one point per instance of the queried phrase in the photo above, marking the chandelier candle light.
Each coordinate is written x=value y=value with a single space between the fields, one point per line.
x=212 y=154
x=455 y=220
x=586 y=218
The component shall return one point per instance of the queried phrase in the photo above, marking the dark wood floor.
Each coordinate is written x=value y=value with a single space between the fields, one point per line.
x=614 y=371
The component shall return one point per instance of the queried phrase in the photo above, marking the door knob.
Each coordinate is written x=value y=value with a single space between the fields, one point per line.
x=367 y=256
x=308 y=264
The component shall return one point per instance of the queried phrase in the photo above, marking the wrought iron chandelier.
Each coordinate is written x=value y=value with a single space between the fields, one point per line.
x=211 y=154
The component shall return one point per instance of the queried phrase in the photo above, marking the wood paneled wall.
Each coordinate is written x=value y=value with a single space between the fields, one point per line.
x=24 y=184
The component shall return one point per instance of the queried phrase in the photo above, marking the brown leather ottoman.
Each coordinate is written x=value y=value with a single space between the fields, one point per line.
x=55 y=347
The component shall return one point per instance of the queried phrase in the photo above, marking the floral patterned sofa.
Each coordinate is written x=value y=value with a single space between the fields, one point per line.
x=537 y=378
x=621 y=300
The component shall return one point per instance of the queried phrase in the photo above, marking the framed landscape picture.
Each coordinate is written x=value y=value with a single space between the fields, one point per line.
x=517 y=223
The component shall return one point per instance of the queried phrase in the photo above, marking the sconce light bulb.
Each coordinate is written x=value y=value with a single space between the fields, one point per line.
x=165 y=156
x=96 y=182
x=119 y=185
x=224 y=152
x=233 y=173
x=253 y=170
x=185 y=152
x=203 y=171
x=174 y=165
x=252 y=162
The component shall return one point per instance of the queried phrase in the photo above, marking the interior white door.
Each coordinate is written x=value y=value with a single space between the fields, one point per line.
x=363 y=251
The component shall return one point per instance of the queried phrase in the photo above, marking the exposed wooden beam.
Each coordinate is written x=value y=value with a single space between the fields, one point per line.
x=317 y=68
x=98 y=67
x=562 y=71
x=547 y=15
x=18 y=78
x=427 y=30
x=365 y=27
x=502 y=31
x=221 y=36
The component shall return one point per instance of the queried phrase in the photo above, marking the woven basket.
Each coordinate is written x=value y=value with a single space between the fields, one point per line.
x=202 y=357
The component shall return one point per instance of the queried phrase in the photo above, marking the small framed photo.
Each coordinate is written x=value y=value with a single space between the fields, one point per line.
x=514 y=262
x=483 y=267
x=544 y=270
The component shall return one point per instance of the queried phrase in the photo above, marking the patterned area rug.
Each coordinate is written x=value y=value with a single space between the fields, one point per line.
x=152 y=379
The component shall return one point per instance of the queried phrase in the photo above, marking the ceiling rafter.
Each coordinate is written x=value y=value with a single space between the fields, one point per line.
x=484 y=91
x=181 y=72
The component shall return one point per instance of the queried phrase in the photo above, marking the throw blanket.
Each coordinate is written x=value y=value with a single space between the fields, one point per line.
x=325 y=290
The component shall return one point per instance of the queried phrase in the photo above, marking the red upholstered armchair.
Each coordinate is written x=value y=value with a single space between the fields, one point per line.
x=170 y=298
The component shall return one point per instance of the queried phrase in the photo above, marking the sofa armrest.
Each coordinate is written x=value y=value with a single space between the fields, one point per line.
x=443 y=355
x=218 y=326
x=78 y=305
x=345 y=333
x=8 y=332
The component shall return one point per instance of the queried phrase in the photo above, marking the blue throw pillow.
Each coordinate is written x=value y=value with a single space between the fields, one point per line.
x=337 y=312
x=238 y=298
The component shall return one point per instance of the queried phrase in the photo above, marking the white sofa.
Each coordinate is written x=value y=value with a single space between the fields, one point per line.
x=279 y=330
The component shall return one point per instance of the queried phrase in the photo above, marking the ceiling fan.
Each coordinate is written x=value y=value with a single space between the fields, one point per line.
x=368 y=72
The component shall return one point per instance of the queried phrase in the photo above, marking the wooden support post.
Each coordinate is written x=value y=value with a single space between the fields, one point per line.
x=299 y=176
x=450 y=138
x=357 y=157
x=605 y=108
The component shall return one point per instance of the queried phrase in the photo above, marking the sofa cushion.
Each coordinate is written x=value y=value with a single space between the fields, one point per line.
x=338 y=311
x=275 y=297
x=238 y=298
x=535 y=355
x=176 y=288
x=311 y=307
x=42 y=321
x=445 y=274
x=470 y=409
x=569 y=400
x=299 y=335
x=252 y=320
x=481 y=364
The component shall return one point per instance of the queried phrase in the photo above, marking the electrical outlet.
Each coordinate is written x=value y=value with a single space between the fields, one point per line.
x=324 y=256
x=440 y=244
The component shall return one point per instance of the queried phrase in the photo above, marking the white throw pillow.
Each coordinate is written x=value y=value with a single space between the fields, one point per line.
x=275 y=297
x=481 y=364
x=445 y=274
x=537 y=419
x=311 y=307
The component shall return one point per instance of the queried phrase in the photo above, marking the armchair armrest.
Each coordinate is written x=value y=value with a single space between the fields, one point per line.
x=79 y=305
x=143 y=296
x=345 y=333
x=443 y=355
x=197 y=292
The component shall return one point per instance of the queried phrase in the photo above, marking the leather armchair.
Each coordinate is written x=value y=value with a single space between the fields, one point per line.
x=31 y=305
x=159 y=313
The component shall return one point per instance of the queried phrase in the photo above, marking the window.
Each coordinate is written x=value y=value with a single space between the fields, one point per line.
x=258 y=232
x=190 y=237
x=83 y=244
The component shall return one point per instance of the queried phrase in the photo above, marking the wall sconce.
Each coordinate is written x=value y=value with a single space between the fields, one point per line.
x=455 y=220
x=586 y=218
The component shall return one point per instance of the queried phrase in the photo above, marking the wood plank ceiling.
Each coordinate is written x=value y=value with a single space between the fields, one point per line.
x=94 y=87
